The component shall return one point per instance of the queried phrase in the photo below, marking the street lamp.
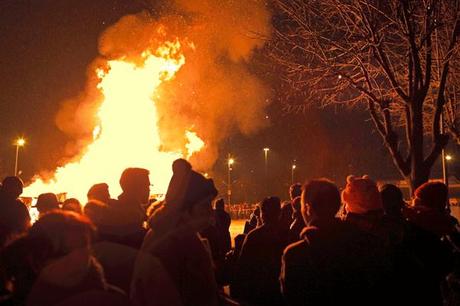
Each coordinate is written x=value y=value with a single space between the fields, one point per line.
x=266 y=149
x=20 y=142
x=292 y=173
x=448 y=157
x=230 y=163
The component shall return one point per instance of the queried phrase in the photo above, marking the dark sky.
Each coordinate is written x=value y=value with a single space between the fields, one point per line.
x=46 y=47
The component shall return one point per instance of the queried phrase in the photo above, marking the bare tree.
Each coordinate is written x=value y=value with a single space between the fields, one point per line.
x=397 y=57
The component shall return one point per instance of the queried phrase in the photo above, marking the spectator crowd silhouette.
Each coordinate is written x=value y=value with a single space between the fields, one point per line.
x=363 y=245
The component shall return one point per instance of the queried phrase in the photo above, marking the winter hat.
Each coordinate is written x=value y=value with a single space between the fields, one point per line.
x=188 y=187
x=47 y=202
x=431 y=195
x=361 y=195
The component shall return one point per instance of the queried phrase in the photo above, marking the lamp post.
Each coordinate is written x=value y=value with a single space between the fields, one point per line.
x=20 y=142
x=266 y=149
x=230 y=163
x=292 y=173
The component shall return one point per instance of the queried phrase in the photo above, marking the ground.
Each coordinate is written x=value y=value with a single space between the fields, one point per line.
x=236 y=227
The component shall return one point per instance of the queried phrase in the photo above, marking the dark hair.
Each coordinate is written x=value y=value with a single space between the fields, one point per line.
x=322 y=196
x=219 y=204
x=131 y=177
x=392 y=199
x=56 y=226
x=295 y=190
x=72 y=204
x=12 y=185
x=98 y=191
x=270 y=209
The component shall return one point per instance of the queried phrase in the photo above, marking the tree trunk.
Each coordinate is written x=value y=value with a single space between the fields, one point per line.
x=419 y=173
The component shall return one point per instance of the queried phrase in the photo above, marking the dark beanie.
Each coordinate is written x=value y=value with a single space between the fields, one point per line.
x=432 y=195
x=188 y=187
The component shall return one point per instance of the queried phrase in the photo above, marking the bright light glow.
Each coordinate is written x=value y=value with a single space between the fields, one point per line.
x=20 y=142
x=293 y=167
x=266 y=150
x=127 y=134
x=231 y=161
x=448 y=157
x=195 y=143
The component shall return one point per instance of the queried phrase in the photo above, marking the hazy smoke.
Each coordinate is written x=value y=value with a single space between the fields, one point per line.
x=214 y=93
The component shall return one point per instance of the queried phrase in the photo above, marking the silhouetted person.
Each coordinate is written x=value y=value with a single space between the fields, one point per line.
x=175 y=241
x=298 y=223
x=99 y=192
x=295 y=190
x=72 y=204
x=392 y=200
x=287 y=211
x=364 y=209
x=127 y=213
x=286 y=219
x=254 y=220
x=46 y=202
x=333 y=264
x=231 y=259
x=433 y=228
x=14 y=216
x=223 y=222
x=57 y=262
x=258 y=266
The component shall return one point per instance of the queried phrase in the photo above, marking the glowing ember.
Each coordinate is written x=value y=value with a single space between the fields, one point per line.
x=127 y=135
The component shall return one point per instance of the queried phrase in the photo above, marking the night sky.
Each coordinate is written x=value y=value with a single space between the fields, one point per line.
x=46 y=47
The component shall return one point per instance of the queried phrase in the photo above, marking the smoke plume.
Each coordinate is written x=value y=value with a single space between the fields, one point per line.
x=214 y=93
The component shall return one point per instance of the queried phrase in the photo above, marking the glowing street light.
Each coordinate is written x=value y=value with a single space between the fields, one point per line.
x=266 y=149
x=20 y=142
x=448 y=157
x=292 y=173
x=230 y=162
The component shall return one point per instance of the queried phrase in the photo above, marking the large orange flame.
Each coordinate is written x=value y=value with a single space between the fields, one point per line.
x=127 y=135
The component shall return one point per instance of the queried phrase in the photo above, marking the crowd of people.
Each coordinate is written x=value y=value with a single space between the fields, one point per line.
x=362 y=246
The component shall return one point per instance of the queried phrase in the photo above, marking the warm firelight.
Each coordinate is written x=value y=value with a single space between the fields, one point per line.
x=127 y=134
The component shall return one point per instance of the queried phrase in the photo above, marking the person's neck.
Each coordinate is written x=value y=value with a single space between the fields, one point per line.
x=129 y=197
x=322 y=222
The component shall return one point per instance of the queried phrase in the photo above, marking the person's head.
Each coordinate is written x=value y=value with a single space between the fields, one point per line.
x=361 y=195
x=97 y=212
x=191 y=193
x=270 y=210
x=431 y=195
x=47 y=202
x=99 y=192
x=295 y=191
x=320 y=199
x=72 y=204
x=64 y=231
x=219 y=204
x=12 y=187
x=135 y=183
x=392 y=199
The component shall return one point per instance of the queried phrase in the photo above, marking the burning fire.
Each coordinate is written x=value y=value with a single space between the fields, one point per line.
x=127 y=134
